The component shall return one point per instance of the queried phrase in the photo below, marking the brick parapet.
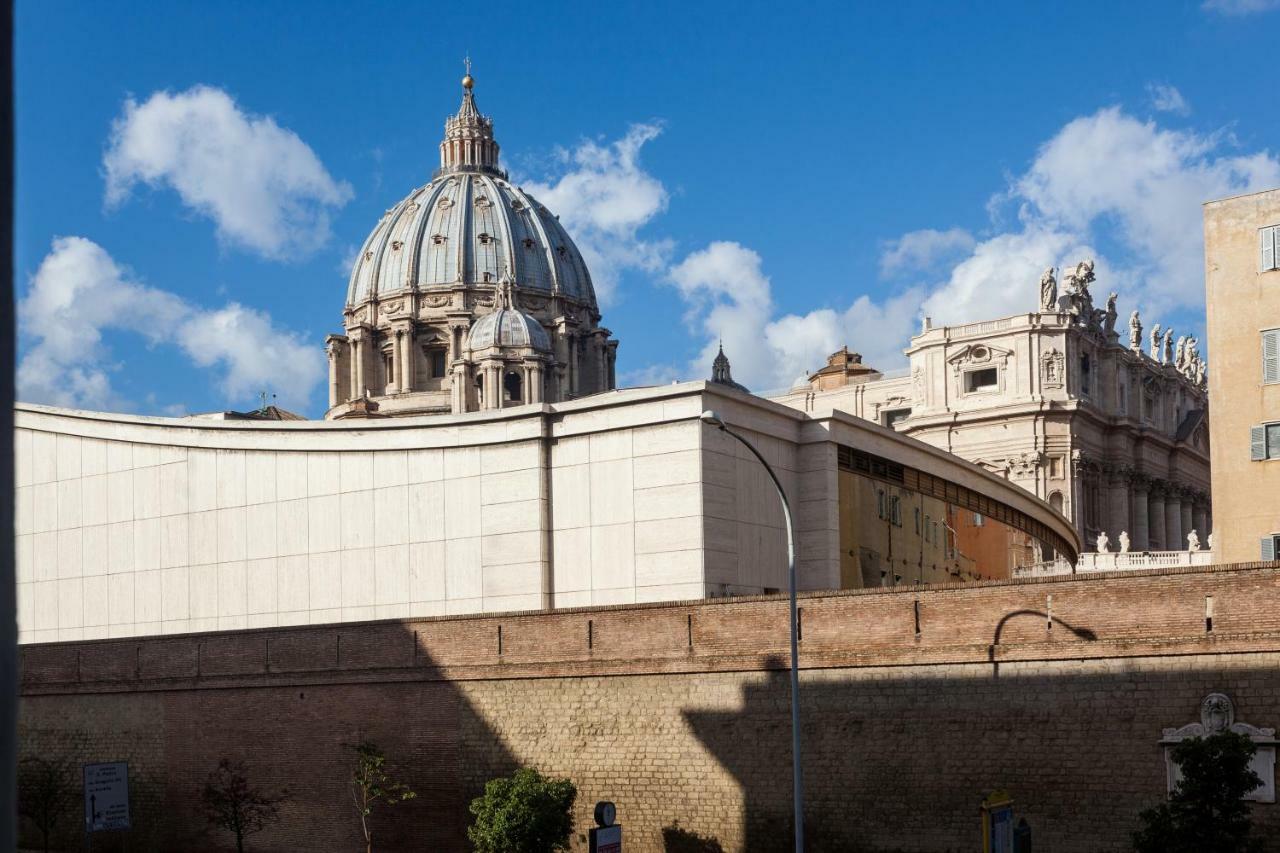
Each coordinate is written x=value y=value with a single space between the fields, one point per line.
x=1050 y=619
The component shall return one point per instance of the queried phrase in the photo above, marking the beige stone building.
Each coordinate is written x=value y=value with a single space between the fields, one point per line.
x=1106 y=425
x=1242 y=295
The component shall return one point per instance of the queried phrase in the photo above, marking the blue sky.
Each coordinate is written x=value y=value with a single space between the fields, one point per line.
x=192 y=178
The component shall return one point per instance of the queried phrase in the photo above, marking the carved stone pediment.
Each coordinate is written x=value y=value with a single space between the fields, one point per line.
x=437 y=300
x=980 y=355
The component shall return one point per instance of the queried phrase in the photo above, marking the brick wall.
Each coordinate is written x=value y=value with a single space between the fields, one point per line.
x=679 y=712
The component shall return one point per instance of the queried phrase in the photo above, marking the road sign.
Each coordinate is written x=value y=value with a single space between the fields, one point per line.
x=606 y=839
x=106 y=796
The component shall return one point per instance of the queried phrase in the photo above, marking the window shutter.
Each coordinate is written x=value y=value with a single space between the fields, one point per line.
x=1271 y=356
x=1268 y=547
x=1257 y=443
x=1267 y=240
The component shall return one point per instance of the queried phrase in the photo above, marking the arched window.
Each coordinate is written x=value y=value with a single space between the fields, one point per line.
x=511 y=384
x=1055 y=501
x=480 y=389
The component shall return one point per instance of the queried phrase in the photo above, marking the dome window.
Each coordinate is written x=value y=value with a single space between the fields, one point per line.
x=438 y=239
x=396 y=244
x=562 y=250
x=517 y=205
x=486 y=239
x=482 y=201
x=368 y=256
x=528 y=243
x=445 y=204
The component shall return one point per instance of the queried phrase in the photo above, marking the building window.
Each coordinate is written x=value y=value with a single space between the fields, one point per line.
x=896 y=511
x=987 y=379
x=917 y=521
x=1271 y=547
x=978 y=520
x=928 y=525
x=437 y=359
x=1055 y=467
x=388 y=368
x=1271 y=356
x=892 y=416
x=511 y=384
x=1264 y=442
x=1269 y=248
x=1084 y=374
x=880 y=504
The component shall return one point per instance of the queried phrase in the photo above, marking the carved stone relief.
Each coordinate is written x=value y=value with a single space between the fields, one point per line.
x=1217 y=714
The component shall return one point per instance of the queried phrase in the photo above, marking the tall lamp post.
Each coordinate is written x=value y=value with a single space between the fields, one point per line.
x=797 y=794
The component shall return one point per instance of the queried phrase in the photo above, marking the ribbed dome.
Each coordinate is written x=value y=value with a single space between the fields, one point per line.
x=469 y=228
x=507 y=327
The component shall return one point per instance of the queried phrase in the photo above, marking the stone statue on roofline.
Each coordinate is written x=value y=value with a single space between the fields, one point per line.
x=1109 y=324
x=1180 y=354
x=1168 y=346
x=1124 y=542
x=1104 y=544
x=1079 y=300
x=1155 y=342
x=1193 y=541
x=1048 y=291
x=1135 y=332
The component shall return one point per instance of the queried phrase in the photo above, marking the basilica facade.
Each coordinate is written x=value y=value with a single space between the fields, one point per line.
x=467 y=295
x=1107 y=424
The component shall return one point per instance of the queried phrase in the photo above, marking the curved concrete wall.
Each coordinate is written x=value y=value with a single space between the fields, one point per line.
x=135 y=525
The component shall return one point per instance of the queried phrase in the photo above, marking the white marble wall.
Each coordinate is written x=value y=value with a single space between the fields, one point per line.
x=121 y=538
x=130 y=526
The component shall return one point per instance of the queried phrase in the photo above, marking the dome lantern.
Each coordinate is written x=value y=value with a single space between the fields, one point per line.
x=468 y=144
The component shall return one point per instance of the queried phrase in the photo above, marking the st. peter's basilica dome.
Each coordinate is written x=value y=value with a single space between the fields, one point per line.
x=468 y=294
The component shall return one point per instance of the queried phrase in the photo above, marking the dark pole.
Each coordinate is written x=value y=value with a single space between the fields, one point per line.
x=8 y=602
x=797 y=778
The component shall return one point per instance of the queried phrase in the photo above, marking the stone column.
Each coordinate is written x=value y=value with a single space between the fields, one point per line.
x=535 y=383
x=1156 y=518
x=1139 y=535
x=358 y=347
x=1188 y=522
x=333 y=349
x=1118 y=500
x=1173 y=538
x=407 y=362
x=458 y=393
x=1200 y=521
x=573 y=366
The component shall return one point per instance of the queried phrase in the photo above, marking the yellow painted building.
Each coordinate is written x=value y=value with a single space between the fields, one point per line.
x=1242 y=297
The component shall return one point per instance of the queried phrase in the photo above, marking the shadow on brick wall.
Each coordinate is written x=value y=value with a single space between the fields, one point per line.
x=286 y=703
x=899 y=759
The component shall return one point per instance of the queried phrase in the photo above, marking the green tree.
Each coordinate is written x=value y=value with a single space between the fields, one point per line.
x=371 y=786
x=523 y=813
x=46 y=789
x=1206 y=812
x=233 y=804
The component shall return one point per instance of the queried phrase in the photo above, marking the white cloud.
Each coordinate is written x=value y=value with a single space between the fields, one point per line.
x=1105 y=181
x=1167 y=99
x=920 y=250
x=730 y=298
x=604 y=197
x=1239 y=7
x=263 y=187
x=79 y=292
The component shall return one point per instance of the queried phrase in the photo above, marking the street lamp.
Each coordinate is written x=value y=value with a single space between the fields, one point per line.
x=714 y=419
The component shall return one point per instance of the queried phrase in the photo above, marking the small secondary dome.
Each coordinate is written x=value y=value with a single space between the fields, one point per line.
x=507 y=327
